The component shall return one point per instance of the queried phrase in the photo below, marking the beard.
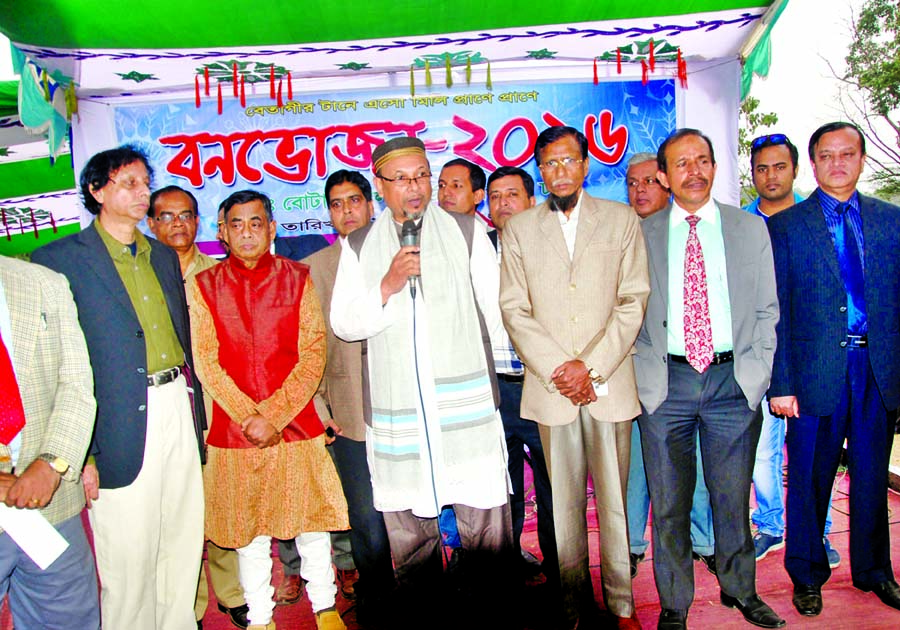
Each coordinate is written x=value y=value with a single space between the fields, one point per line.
x=563 y=204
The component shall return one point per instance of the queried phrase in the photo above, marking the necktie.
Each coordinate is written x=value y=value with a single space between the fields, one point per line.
x=12 y=414
x=698 y=344
x=850 y=261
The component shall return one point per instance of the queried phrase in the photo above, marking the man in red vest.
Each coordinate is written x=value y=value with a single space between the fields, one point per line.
x=261 y=351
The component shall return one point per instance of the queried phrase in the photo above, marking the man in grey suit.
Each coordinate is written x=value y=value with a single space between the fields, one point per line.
x=573 y=288
x=703 y=363
x=340 y=404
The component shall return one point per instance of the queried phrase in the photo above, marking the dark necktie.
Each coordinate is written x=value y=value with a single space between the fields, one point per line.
x=12 y=414
x=698 y=345
x=852 y=274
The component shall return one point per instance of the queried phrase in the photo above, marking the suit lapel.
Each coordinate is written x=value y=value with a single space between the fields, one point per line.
x=26 y=318
x=549 y=223
x=734 y=245
x=819 y=235
x=102 y=265
x=588 y=221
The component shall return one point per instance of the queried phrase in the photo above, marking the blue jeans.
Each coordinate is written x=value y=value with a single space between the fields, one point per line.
x=703 y=539
x=767 y=477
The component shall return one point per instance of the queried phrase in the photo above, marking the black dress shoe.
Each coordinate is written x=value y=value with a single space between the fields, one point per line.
x=237 y=615
x=755 y=610
x=709 y=561
x=807 y=599
x=636 y=559
x=888 y=592
x=672 y=620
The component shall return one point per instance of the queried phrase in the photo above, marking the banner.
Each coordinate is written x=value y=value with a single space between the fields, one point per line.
x=288 y=150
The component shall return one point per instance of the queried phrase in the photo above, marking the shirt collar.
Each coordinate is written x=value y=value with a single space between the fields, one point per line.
x=118 y=250
x=707 y=212
x=576 y=211
x=830 y=204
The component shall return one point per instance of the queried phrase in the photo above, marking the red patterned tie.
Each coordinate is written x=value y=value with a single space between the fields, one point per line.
x=12 y=414
x=698 y=346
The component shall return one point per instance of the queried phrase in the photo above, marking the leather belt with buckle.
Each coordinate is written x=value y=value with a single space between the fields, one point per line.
x=163 y=376
x=718 y=357
x=511 y=378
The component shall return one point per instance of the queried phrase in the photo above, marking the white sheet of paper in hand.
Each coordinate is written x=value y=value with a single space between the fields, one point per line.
x=33 y=533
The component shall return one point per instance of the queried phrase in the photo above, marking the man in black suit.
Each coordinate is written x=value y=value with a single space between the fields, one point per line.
x=143 y=479
x=836 y=373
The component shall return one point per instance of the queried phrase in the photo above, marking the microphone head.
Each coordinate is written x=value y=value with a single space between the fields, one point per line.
x=409 y=233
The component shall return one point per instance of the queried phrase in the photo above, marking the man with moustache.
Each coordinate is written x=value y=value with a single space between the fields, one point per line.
x=511 y=191
x=143 y=485
x=340 y=402
x=836 y=374
x=573 y=290
x=647 y=196
x=173 y=218
x=703 y=362
x=773 y=166
x=433 y=434
x=260 y=345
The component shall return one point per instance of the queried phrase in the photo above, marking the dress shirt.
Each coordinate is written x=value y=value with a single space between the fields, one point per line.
x=569 y=224
x=164 y=351
x=709 y=231
x=15 y=445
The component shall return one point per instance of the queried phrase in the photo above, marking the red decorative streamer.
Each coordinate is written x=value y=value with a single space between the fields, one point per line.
x=234 y=78
x=219 y=85
x=290 y=88
x=644 y=78
x=682 y=71
x=618 y=61
x=279 y=102
x=197 y=91
x=272 y=81
x=5 y=226
x=206 y=79
x=53 y=223
x=34 y=224
x=243 y=93
x=596 y=78
x=652 y=57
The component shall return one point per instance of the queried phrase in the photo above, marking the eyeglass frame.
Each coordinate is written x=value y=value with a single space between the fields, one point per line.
x=405 y=181
x=191 y=215
x=566 y=163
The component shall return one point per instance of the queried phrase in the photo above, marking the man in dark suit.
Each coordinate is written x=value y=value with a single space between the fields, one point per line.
x=143 y=483
x=340 y=403
x=704 y=357
x=836 y=371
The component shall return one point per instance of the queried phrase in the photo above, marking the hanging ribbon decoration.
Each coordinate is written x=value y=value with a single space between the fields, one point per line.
x=644 y=78
x=219 y=98
x=618 y=61
x=278 y=100
x=272 y=81
x=682 y=70
x=196 y=91
x=488 y=83
x=468 y=70
x=427 y=74
x=412 y=81
x=652 y=57
x=234 y=78
x=449 y=80
x=243 y=93
x=596 y=78
x=290 y=88
x=206 y=79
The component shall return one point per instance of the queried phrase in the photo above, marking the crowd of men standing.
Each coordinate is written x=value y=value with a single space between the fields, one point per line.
x=395 y=382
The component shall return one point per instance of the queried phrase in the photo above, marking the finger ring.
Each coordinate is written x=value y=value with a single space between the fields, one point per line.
x=35 y=501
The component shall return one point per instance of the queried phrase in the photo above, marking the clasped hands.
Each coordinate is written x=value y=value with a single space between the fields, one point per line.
x=33 y=489
x=260 y=432
x=573 y=381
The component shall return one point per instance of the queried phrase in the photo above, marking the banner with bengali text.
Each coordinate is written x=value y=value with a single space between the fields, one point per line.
x=288 y=151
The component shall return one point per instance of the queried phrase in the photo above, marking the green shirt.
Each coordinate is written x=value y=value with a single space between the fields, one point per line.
x=709 y=231
x=164 y=351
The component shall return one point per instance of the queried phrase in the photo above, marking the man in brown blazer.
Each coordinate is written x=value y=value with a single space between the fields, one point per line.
x=340 y=402
x=573 y=288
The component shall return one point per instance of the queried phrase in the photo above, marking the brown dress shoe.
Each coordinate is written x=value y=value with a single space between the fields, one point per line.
x=347 y=579
x=289 y=591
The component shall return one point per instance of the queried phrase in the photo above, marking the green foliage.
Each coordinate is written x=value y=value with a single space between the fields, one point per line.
x=873 y=61
x=751 y=123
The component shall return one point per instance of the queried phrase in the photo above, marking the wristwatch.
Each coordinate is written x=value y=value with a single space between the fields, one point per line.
x=595 y=376
x=56 y=463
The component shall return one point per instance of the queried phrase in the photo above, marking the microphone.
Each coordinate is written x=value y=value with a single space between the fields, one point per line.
x=409 y=235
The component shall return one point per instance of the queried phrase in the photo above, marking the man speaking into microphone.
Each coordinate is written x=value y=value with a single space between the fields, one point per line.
x=434 y=437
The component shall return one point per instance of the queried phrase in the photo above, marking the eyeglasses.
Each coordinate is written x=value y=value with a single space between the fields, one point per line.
x=646 y=181
x=769 y=140
x=405 y=181
x=168 y=217
x=566 y=163
x=131 y=183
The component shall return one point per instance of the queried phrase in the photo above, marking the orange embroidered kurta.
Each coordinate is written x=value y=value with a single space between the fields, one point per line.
x=259 y=339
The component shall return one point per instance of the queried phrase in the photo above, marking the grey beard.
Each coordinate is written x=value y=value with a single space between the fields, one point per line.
x=563 y=204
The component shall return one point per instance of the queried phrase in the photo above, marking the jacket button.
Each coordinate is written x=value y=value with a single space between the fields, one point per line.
x=843 y=344
x=139 y=334
x=665 y=324
x=142 y=408
x=843 y=309
x=141 y=370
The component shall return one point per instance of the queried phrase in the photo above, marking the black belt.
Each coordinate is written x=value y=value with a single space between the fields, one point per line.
x=510 y=378
x=163 y=376
x=855 y=341
x=718 y=357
